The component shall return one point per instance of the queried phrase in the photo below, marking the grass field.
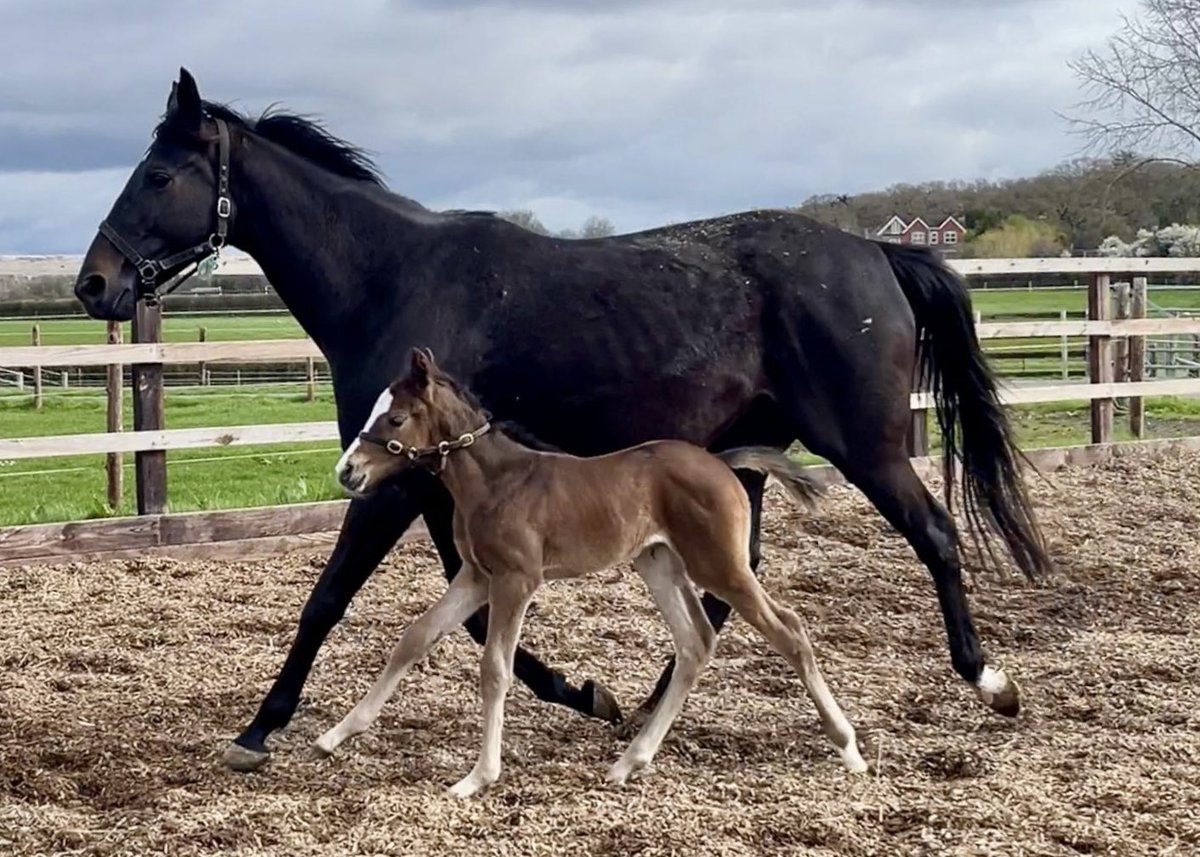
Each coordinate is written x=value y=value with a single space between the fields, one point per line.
x=74 y=487
x=68 y=488
x=219 y=328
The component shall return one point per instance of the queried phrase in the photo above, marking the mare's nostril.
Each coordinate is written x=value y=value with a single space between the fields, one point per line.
x=91 y=286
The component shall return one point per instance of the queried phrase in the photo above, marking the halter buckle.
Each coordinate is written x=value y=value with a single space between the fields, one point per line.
x=148 y=270
x=224 y=206
x=394 y=446
x=466 y=440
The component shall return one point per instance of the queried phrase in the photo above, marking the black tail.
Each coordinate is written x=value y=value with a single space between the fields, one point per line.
x=974 y=427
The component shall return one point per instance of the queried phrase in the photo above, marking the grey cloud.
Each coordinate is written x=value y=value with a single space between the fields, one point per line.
x=641 y=111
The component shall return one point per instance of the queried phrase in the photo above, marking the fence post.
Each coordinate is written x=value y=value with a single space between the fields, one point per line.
x=150 y=468
x=1121 y=344
x=1137 y=359
x=37 y=371
x=1065 y=349
x=113 y=422
x=203 y=337
x=1100 y=367
x=310 y=393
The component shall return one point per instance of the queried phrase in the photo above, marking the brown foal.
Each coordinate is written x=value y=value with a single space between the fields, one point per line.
x=523 y=516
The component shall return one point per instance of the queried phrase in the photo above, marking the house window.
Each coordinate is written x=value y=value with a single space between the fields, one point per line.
x=918 y=238
x=951 y=237
x=933 y=237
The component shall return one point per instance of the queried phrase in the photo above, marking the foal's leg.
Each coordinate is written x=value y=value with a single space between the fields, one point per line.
x=694 y=640
x=715 y=609
x=590 y=699
x=508 y=599
x=785 y=631
x=466 y=592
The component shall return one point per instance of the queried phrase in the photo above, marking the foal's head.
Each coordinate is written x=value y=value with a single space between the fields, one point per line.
x=411 y=417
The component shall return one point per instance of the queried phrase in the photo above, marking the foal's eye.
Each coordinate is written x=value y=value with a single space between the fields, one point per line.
x=159 y=178
x=397 y=419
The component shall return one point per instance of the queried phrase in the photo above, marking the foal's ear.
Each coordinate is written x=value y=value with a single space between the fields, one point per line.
x=422 y=365
x=183 y=105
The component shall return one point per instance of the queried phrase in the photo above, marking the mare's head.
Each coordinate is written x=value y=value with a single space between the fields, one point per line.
x=168 y=207
x=410 y=419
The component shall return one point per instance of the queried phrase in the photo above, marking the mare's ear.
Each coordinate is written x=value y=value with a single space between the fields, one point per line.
x=184 y=107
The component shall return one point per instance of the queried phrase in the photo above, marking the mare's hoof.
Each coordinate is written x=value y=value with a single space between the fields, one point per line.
x=604 y=704
x=999 y=692
x=239 y=758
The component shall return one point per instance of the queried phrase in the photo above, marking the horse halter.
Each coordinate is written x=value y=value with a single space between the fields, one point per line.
x=416 y=453
x=151 y=269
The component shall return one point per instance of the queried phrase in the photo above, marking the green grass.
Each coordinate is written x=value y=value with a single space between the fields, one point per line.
x=71 y=488
x=182 y=328
x=999 y=303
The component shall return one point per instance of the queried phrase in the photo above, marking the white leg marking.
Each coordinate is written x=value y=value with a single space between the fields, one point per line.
x=991 y=683
x=466 y=594
x=382 y=405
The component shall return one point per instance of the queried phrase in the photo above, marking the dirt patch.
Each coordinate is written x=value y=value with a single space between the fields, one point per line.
x=121 y=682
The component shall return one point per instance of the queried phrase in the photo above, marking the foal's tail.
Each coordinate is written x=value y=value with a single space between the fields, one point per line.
x=769 y=462
x=974 y=426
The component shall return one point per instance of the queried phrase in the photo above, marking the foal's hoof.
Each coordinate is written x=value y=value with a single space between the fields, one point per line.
x=604 y=704
x=999 y=692
x=239 y=758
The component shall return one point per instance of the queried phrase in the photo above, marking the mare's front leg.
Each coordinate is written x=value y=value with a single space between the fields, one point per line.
x=467 y=592
x=591 y=699
x=371 y=527
x=508 y=598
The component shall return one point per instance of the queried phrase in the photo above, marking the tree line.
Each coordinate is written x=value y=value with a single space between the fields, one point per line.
x=1073 y=207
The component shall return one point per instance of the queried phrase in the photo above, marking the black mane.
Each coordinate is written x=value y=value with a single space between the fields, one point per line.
x=303 y=136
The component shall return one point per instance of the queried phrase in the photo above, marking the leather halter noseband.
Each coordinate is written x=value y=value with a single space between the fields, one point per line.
x=416 y=453
x=151 y=269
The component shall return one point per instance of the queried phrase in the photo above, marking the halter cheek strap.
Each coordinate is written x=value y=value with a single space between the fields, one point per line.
x=416 y=453
x=150 y=270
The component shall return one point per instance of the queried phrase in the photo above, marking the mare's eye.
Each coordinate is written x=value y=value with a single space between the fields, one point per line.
x=397 y=419
x=159 y=178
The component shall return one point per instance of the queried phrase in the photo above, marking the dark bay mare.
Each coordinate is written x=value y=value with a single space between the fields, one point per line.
x=760 y=328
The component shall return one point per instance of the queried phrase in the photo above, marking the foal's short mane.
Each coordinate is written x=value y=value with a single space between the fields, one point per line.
x=298 y=134
x=509 y=428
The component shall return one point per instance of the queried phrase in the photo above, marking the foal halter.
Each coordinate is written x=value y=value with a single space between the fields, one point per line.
x=151 y=269
x=416 y=453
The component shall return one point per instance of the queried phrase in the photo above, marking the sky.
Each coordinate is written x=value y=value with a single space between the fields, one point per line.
x=643 y=112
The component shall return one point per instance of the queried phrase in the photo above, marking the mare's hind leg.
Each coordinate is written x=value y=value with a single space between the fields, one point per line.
x=899 y=494
x=694 y=639
x=466 y=592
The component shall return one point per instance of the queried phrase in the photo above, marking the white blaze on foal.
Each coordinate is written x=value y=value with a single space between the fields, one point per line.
x=383 y=404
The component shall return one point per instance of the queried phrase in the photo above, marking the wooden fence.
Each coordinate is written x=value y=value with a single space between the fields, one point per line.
x=275 y=528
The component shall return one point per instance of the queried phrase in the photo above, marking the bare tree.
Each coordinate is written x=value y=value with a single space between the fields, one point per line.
x=1143 y=87
x=524 y=217
x=597 y=227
